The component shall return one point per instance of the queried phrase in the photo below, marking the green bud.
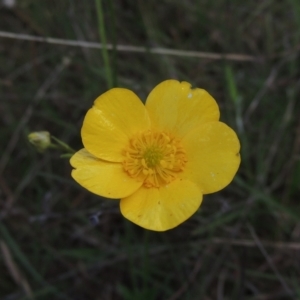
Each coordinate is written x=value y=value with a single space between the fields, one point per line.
x=40 y=140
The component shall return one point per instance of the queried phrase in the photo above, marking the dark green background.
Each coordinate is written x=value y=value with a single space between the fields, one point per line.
x=243 y=243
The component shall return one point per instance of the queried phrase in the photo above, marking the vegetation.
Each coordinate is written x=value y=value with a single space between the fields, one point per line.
x=58 y=241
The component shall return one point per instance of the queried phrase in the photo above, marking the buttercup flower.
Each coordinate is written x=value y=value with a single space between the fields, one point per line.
x=158 y=158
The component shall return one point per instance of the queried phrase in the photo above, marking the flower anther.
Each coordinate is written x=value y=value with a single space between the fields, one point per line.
x=154 y=157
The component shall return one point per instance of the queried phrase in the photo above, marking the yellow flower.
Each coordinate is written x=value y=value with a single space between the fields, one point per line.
x=158 y=158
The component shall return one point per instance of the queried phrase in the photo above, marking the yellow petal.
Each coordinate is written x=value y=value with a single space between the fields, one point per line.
x=213 y=156
x=114 y=118
x=175 y=107
x=164 y=208
x=100 y=177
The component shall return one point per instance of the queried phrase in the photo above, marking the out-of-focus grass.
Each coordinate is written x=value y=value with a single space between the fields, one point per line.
x=243 y=243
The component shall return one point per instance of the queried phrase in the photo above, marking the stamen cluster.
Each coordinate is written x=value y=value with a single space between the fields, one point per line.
x=154 y=157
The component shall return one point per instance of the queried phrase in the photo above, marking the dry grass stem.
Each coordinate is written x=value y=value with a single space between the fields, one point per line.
x=132 y=49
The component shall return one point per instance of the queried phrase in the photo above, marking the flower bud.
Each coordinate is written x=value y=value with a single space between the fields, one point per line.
x=40 y=140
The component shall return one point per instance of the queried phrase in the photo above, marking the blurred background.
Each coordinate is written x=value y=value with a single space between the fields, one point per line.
x=57 y=240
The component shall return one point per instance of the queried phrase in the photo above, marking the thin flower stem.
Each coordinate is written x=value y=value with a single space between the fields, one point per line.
x=105 y=56
x=63 y=145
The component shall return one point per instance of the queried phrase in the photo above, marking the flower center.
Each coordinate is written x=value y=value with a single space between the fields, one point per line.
x=154 y=157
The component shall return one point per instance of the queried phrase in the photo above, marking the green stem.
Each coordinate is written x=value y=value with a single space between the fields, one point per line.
x=62 y=145
x=114 y=64
x=105 y=56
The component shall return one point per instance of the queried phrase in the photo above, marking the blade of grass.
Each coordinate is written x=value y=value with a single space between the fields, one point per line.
x=269 y=260
x=102 y=34
x=14 y=270
x=112 y=17
x=25 y=262
x=271 y=202
x=296 y=10
x=235 y=97
x=220 y=221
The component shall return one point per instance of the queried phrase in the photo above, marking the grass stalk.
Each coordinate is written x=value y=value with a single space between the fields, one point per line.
x=102 y=33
